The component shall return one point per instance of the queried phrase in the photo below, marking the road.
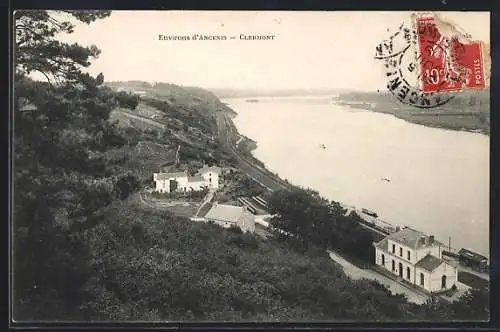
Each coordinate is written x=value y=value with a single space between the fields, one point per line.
x=227 y=137
x=208 y=197
x=395 y=287
x=143 y=119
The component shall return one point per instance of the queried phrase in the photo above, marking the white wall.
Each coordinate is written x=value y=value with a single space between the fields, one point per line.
x=427 y=280
x=405 y=252
x=196 y=185
x=182 y=183
x=247 y=222
x=207 y=175
x=164 y=185
x=435 y=277
x=388 y=264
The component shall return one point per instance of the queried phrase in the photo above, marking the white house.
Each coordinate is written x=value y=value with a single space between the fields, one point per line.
x=211 y=175
x=227 y=215
x=206 y=177
x=416 y=258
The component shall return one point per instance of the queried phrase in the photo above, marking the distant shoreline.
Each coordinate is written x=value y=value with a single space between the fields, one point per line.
x=465 y=121
x=427 y=120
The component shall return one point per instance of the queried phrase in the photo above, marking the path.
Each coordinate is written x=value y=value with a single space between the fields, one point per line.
x=395 y=287
x=208 y=197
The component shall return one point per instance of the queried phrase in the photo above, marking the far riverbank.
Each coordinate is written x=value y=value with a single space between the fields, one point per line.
x=465 y=112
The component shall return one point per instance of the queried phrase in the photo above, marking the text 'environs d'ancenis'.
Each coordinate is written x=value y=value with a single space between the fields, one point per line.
x=215 y=37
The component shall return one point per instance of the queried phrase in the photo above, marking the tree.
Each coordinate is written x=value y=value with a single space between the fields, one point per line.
x=128 y=100
x=312 y=218
x=62 y=179
x=473 y=305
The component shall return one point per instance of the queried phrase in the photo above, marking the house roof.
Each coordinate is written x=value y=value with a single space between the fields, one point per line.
x=408 y=237
x=382 y=244
x=166 y=176
x=429 y=263
x=196 y=178
x=213 y=169
x=223 y=212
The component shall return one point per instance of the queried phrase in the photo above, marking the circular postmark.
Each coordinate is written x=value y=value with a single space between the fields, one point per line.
x=403 y=72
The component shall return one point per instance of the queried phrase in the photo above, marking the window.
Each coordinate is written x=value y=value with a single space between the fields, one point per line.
x=383 y=259
x=400 y=252
x=393 y=265
x=393 y=248
x=421 y=279
x=408 y=255
x=408 y=272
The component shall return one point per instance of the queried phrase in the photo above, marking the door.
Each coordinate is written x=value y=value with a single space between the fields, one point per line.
x=443 y=282
x=173 y=185
x=400 y=270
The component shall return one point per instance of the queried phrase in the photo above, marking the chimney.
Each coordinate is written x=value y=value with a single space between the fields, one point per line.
x=398 y=228
x=431 y=239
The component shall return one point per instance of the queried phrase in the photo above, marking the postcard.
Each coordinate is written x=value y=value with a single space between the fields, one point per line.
x=250 y=166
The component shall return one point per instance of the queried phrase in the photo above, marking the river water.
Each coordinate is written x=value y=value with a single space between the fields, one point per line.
x=439 y=179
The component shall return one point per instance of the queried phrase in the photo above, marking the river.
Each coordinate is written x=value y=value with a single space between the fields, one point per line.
x=438 y=179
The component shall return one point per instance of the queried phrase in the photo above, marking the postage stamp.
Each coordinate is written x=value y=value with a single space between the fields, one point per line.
x=429 y=60
x=449 y=60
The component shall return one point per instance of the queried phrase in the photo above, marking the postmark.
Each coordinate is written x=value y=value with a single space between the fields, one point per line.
x=428 y=61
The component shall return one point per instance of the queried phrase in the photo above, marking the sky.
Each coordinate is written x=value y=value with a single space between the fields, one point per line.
x=310 y=50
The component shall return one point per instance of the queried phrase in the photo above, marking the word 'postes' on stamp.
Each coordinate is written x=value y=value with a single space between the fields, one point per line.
x=449 y=62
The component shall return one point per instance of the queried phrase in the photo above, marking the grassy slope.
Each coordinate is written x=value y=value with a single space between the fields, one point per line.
x=167 y=117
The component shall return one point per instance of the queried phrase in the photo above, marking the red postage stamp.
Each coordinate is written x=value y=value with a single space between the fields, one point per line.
x=449 y=60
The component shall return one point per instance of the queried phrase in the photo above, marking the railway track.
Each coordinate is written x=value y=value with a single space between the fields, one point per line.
x=249 y=166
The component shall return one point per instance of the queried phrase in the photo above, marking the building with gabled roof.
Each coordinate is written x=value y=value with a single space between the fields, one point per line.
x=230 y=215
x=416 y=258
x=206 y=177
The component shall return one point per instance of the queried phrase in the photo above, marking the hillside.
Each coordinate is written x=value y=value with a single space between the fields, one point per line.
x=466 y=111
x=87 y=248
x=193 y=97
x=159 y=267
x=167 y=118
